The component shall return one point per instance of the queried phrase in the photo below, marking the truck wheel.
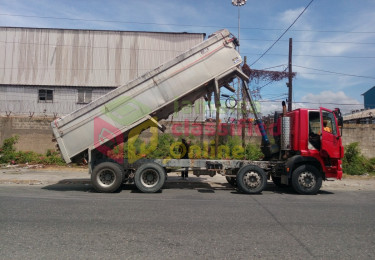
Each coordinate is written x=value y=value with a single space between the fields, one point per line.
x=251 y=179
x=149 y=178
x=306 y=179
x=232 y=181
x=107 y=177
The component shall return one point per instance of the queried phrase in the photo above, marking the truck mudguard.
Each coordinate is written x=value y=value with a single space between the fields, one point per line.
x=297 y=160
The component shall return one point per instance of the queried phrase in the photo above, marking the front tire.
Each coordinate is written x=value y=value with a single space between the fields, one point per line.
x=150 y=177
x=251 y=179
x=107 y=177
x=306 y=179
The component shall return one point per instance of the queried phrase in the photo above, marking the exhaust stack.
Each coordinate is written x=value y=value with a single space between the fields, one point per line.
x=285 y=130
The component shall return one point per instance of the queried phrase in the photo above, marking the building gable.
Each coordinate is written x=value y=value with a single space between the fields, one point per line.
x=369 y=98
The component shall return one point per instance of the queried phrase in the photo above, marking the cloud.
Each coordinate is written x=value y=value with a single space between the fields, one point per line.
x=330 y=100
x=290 y=15
x=327 y=99
x=269 y=107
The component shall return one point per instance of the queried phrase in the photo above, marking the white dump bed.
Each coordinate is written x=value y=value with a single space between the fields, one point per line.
x=185 y=78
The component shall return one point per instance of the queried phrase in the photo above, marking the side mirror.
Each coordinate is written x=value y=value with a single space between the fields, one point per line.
x=340 y=119
x=339 y=132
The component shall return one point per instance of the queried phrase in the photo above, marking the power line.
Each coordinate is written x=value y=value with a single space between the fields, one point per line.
x=180 y=51
x=333 y=72
x=334 y=42
x=277 y=66
x=316 y=103
x=145 y=69
x=321 y=74
x=316 y=56
x=182 y=25
x=327 y=103
x=275 y=96
x=282 y=33
x=271 y=81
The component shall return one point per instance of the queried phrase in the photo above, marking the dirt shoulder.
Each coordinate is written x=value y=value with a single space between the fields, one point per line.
x=350 y=182
x=40 y=175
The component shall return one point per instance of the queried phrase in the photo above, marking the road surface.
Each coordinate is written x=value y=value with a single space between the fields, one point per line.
x=184 y=221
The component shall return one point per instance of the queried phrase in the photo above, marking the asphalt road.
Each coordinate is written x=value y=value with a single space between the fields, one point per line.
x=184 y=221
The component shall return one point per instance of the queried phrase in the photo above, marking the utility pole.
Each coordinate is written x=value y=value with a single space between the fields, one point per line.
x=244 y=113
x=290 y=77
x=238 y=3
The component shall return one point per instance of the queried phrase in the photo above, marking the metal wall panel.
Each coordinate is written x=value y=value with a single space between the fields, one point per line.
x=64 y=60
x=23 y=100
x=58 y=57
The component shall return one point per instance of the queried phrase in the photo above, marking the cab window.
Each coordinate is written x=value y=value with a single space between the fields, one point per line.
x=329 y=123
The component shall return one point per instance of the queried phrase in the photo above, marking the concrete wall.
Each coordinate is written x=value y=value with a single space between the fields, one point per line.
x=364 y=134
x=36 y=135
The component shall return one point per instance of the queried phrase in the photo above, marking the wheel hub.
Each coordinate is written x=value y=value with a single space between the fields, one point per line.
x=106 y=177
x=307 y=179
x=252 y=179
x=150 y=178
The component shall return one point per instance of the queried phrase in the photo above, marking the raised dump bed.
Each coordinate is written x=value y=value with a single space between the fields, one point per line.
x=187 y=77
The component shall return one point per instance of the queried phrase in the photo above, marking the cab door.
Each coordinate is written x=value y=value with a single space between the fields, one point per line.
x=330 y=137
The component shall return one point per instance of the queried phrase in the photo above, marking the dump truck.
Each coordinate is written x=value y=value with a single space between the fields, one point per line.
x=304 y=151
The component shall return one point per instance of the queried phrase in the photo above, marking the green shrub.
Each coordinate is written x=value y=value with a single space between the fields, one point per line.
x=163 y=148
x=9 y=154
x=7 y=150
x=253 y=152
x=354 y=163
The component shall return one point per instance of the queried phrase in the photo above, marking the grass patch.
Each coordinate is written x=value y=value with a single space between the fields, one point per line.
x=354 y=163
x=9 y=155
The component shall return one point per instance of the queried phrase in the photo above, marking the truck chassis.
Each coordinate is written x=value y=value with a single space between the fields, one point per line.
x=247 y=176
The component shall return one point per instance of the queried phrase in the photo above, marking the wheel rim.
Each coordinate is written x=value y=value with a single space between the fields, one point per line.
x=307 y=180
x=149 y=178
x=252 y=179
x=106 y=177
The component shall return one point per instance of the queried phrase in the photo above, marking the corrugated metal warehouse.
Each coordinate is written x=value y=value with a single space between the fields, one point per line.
x=48 y=73
x=55 y=71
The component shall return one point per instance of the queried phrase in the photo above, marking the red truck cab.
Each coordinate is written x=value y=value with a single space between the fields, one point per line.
x=316 y=136
x=314 y=148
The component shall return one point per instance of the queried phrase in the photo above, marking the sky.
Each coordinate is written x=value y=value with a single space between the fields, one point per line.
x=333 y=40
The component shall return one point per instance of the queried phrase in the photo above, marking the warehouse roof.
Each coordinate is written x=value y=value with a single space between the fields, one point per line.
x=98 y=30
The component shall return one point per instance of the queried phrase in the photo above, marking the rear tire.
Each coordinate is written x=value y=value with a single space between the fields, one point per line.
x=150 y=177
x=306 y=179
x=251 y=179
x=107 y=177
